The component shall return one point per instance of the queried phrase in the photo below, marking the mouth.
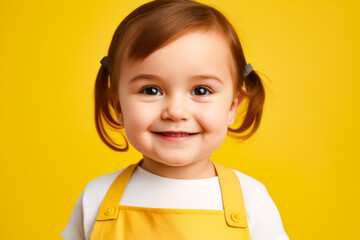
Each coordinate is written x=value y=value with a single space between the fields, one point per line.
x=175 y=136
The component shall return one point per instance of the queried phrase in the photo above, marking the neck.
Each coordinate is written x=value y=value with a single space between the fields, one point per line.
x=197 y=170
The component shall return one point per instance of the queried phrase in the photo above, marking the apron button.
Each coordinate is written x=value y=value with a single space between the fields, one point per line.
x=108 y=211
x=235 y=216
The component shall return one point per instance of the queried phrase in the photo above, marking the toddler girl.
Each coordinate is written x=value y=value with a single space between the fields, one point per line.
x=174 y=78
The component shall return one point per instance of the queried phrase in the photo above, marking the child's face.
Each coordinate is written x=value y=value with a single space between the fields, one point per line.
x=177 y=103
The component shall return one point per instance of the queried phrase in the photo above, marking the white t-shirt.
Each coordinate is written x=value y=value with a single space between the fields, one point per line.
x=146 y=189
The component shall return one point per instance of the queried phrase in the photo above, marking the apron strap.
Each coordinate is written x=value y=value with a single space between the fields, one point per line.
x=109 y=208
x=233 y=200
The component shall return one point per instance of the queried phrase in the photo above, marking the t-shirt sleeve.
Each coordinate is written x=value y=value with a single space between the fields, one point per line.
x=74 y=230
x=266 y=224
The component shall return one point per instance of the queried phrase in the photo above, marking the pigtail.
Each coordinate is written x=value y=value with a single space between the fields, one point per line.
x=103 y=113
x=255 y=94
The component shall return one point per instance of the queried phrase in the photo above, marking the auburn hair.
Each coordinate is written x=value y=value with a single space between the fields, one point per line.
x=154 y=25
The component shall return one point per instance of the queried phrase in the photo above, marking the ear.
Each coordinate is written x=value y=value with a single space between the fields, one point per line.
x=117 y=108
x=235 y=104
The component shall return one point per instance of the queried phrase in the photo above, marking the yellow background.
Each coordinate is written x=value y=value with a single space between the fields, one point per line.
x=306 y=151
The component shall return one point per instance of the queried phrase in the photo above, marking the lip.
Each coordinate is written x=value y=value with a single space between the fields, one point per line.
x=175 y=136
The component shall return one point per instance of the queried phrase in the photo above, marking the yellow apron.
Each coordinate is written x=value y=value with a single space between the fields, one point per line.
x=128 y=222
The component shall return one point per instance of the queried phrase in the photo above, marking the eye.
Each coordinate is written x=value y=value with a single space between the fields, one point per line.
x=150 y=90
x=201 y=91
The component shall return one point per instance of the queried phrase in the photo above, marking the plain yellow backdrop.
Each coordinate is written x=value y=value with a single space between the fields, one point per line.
x=306 y=151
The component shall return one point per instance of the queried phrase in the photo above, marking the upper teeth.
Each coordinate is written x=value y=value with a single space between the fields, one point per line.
x=176 y=134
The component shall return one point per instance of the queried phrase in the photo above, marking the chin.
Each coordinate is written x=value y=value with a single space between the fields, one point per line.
x=176 y=162
x=173 y=161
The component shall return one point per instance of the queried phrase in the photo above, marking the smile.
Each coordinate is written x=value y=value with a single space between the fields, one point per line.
x=175 y=136
x=172 y=134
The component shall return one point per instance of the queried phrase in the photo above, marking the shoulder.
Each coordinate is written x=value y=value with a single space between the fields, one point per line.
x=93 y=195
x=263 y=216
x=97 y=188
x=86 y=208
x=249 y=184
x=252 y=190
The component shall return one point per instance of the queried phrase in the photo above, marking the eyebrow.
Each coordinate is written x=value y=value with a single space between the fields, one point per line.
x=201 y=77
x=144 y=76
x=196 y=77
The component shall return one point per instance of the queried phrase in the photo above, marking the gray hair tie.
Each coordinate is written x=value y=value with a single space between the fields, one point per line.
x=104 y=62
x=247 y=70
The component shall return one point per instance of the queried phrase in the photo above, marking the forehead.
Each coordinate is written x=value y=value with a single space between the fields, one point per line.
x=196 y=52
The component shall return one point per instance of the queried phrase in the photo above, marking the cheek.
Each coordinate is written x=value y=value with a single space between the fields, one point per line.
x=137 y=117
x=214 y=117
x=134 y=124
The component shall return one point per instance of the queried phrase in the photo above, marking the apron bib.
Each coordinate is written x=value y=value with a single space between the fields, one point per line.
x=116 y=222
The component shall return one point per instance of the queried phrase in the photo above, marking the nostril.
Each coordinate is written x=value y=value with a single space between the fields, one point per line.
x=175 y=108
x=175 y=114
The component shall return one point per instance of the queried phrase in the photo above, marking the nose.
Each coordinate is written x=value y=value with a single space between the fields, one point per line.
x=175 y=108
